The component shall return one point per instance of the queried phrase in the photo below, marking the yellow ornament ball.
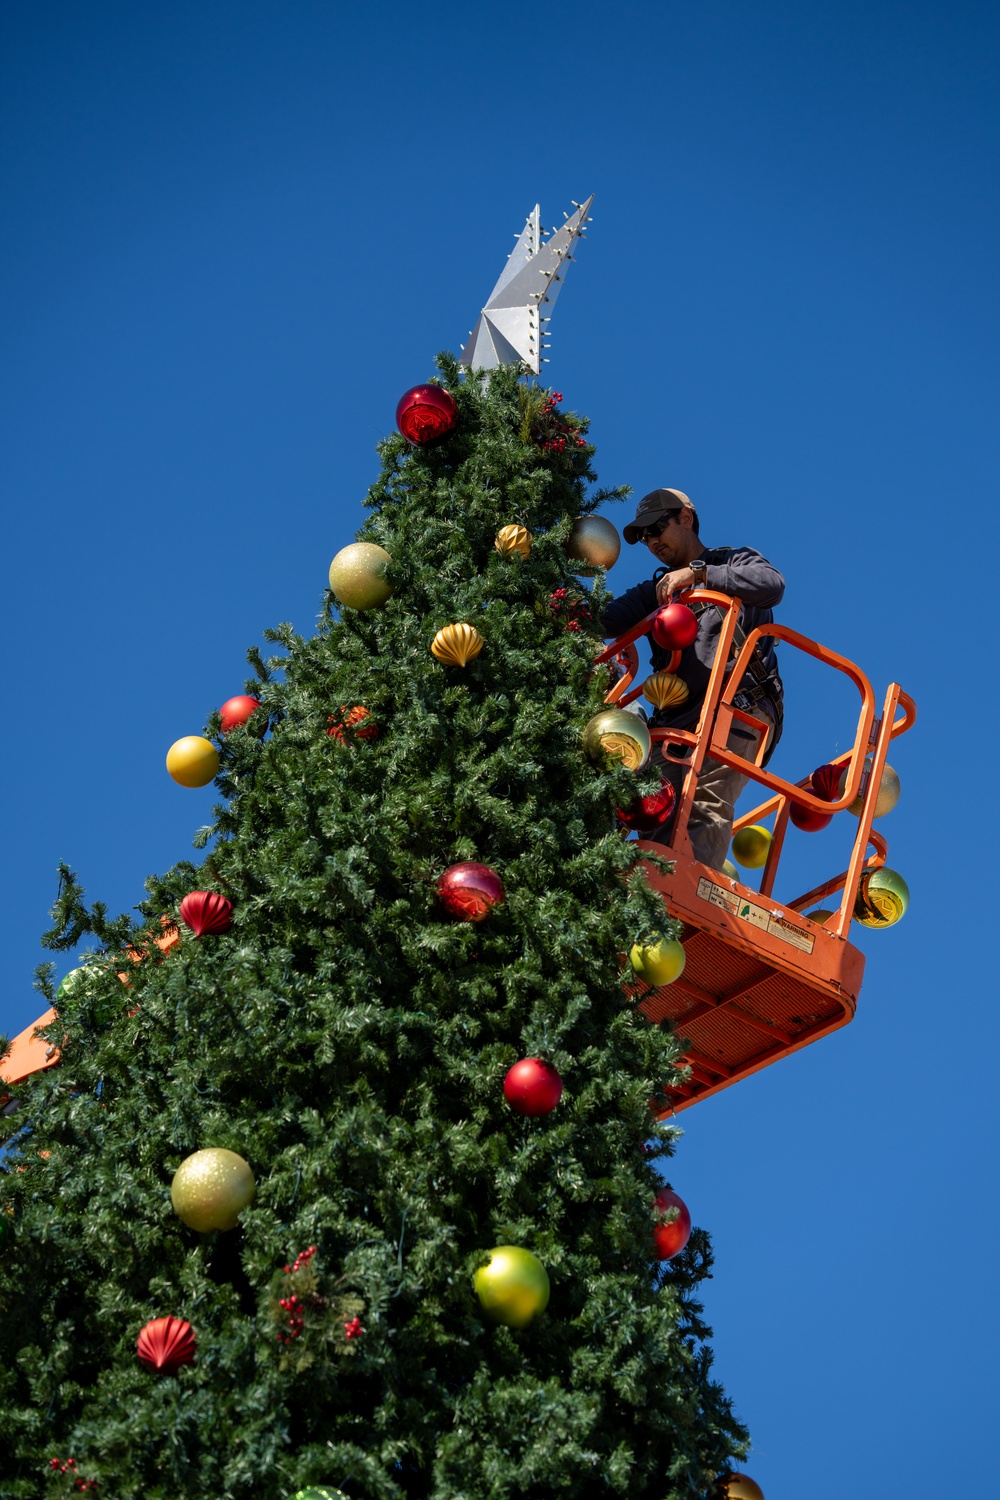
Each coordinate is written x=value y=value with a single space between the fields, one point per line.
x=211 y=1188
x=193 y=761
x=513 y=1287
x=882 y=898
x=750 y=847
x=658 y=962
x=819 y=916
x=357 y=576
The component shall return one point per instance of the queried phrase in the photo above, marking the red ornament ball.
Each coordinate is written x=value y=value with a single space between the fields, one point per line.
x=670 y=1236
x=236 y=711
x=469 y=891
x=165 y=1344
x=426 y=413
x=824 y=782
x=647 y=813
x=674 y=626
x=532 y=1087
x=204 y=911
x=808 y=820
x=353 y=719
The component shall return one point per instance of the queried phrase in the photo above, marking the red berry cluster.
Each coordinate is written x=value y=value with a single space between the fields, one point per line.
x=557 y=444
x=353 y=1329
x=293 y=1304
x=575 y=610
x=68 y=1466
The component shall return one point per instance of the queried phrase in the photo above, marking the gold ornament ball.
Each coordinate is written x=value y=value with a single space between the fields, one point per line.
x=615 y=732
x=211 y=1188
x=819 y=916
x=882 y=898
x=665 y=690
x=513 y=539
x=513 y=1287
x=457 y=645
x=736 y=1487
x=750 y=847
x=594 y=541
x=193 y=761
x=888 y=792
x=357 y=575
x=660 y=961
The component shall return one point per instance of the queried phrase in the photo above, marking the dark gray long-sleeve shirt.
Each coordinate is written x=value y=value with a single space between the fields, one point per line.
x=739 y=571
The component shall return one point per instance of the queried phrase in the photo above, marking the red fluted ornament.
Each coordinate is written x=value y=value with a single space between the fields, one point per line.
x=532 y=1087
x=674 y=626
x=426 y=413
x=204 y=911
x=469 y=891
x=824 y=782
x=671 y=1235
x=236 y=711
x=165 y=1344
x=647 y=813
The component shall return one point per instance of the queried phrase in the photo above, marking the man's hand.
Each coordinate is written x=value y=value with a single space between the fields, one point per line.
x=674 y=583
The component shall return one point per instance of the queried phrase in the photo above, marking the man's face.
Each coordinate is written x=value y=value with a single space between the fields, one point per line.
x=671 y=546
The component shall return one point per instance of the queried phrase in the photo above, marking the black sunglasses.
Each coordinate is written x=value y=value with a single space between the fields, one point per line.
x=657 y=526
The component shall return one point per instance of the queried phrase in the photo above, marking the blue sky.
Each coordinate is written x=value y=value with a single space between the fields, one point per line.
x=235 y=233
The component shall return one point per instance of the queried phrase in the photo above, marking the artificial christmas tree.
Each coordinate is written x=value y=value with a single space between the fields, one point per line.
x=347 y=1040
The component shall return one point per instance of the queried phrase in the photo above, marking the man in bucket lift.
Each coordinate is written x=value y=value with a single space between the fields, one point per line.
x=667 y=522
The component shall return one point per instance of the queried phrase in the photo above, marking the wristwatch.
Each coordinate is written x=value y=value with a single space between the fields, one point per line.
x=700 y=570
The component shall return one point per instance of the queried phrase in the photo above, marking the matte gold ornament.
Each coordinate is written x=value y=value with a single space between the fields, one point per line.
x=211 y=1188
x=513 y=1288
x=615 y=732
x=882 y=898
x=457 y=645
x=594 y=541
x=666 y=690
x=357 y=575
x=513 y=539
x=888 y=792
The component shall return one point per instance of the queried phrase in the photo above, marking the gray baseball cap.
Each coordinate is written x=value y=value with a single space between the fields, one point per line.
x=651 y=507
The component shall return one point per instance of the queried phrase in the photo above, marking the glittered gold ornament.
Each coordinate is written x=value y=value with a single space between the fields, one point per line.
x=513 y=539
x=615 y=732
x=658 y=961
x=595 y=541
x=513 y=1287
x=456 y=645
x=193 y=761
x=888 y=791
x=357 y=575
x=735 y=1487
x=211 y=1188
x=882 y=898
x=665 y=690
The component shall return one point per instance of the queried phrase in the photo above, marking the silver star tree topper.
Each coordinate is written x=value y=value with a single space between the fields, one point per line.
x=511 y=326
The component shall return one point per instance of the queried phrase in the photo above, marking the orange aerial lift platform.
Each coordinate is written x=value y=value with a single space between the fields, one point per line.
x=760 y=979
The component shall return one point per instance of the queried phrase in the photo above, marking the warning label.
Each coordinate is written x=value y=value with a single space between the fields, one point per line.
x=757 y=916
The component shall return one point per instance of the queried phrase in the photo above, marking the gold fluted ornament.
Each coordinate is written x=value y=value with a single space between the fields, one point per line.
x=357 y=575
x=666 y=690
x=882 y=898
x=513 y=538
x=615 y=732
x=211 y=1188
x=888 y=791
x=456 y=645
x=594 y=541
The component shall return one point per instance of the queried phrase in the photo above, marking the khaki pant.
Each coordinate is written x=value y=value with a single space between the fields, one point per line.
x=710 y=826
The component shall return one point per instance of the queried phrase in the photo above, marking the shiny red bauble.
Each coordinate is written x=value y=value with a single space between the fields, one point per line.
x=426 y=413
x=824 y=782
x=647 y=813
x=671 y=1236
x=236 y=711
x=469 y=891
x=674 y=626
x=165 y=1344
x=204 y=911
x=532 y=1087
